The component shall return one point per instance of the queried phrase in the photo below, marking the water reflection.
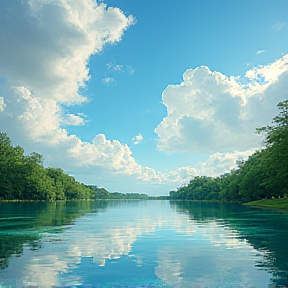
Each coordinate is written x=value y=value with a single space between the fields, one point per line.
x=265 y=230
x=137 y=244
x=24 y=224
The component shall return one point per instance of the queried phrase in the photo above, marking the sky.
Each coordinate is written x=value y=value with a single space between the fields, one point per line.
x=141 y=96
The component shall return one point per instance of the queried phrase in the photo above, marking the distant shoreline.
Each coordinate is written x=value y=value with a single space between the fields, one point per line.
x=264 y=203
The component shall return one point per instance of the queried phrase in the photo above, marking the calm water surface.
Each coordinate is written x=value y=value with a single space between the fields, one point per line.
x=142 y=244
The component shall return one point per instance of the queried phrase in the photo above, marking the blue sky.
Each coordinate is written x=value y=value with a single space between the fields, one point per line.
x=80 y=81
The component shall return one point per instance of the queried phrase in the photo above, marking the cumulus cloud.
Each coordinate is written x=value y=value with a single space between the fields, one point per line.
x=35 y=124
x=137 y=139
x=211 y=112
x=48 y=71
x=57 y=39
x=27 y=118
x=181 y=175
x=72 y=119
x=220 y=163
x=44 y=64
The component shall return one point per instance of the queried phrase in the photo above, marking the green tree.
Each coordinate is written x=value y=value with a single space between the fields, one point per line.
x=11 y=168
x=253 y=175
x=24 y=177
x=276 y=160
x=57 y=175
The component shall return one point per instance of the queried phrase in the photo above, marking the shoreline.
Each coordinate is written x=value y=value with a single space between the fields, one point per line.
x=281 y=203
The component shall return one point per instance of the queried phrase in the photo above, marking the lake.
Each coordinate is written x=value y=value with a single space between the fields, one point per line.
x=142 y=244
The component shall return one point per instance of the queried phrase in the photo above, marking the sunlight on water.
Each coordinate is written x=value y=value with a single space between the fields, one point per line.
x=136 y=244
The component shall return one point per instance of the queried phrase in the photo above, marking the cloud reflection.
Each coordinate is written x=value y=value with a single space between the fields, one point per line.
x=178 y=251
x=213 y=256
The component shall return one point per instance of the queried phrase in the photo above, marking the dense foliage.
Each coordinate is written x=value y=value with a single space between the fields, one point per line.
x=25 y=178
x=263 y=175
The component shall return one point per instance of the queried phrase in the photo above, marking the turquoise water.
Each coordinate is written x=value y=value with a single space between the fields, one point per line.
x=142 y=244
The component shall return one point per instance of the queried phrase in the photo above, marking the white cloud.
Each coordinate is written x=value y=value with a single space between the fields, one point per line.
x=32 y=97
x=278 y=26
x=34 y=123
x=217 y=164
x=181 y=175
x=108 y=80
x=72 y=119
x=211 y=112
x=56 y=39
x=2 y=104
x=27 y=118
x=137 y=139
x=115 y=67
x=220 y=163
x=260 y=51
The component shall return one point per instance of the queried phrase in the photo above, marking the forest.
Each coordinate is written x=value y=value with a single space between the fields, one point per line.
x=264 y=175
x=25 y=178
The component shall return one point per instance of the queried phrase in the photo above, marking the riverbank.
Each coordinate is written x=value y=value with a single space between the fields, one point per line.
x=270 y=203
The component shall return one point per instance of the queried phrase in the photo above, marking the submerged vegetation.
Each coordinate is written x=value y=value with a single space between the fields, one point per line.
x=263 y=176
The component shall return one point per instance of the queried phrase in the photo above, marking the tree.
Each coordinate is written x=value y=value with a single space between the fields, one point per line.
x=276 y=161
x=25 y=178
x=253 y=174
x=57 y=175
x=11 y=168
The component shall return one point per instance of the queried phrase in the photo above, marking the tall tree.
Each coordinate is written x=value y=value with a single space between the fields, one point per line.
x=276 y=161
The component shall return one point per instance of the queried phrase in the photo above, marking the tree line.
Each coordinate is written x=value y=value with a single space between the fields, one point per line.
x=25 y=178
x=263 y=175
